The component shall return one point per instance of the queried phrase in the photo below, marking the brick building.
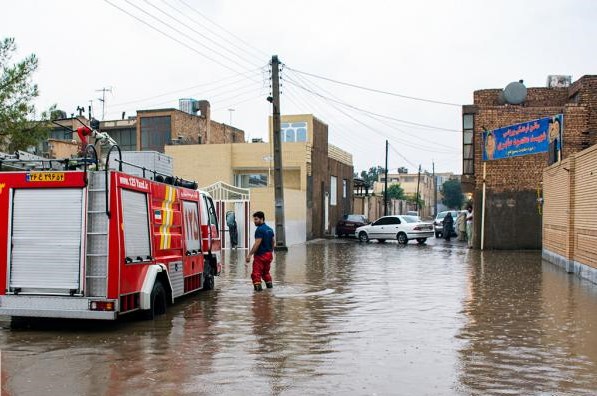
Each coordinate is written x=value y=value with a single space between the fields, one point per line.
x=513 y=212
x=160 y=127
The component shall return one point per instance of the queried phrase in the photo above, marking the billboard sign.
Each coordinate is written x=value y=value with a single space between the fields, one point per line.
x=532 y=137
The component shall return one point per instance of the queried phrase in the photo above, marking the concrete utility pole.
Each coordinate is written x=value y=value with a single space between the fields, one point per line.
x=385 y=191
x=278 y=180
x=434 y=191
x=417 y=196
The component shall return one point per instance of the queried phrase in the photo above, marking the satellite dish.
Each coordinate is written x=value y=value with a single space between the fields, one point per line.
x=515 y=93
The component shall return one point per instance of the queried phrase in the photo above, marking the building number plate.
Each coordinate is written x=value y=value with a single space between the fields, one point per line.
x=45 y=177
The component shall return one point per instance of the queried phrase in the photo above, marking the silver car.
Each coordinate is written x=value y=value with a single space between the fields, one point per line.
x=401 y=228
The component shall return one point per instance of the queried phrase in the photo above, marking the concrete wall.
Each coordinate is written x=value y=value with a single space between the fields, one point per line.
x=570 y=213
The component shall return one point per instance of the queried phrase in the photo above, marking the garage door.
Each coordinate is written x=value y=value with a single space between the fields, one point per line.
x=46 y=240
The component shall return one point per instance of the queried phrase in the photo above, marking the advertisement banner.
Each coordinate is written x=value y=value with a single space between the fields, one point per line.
x=532 y=137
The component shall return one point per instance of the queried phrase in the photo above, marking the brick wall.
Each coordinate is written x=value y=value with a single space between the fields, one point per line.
x=512 y=183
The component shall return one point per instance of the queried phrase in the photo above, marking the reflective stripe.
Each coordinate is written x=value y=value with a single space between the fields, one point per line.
x=167 y=218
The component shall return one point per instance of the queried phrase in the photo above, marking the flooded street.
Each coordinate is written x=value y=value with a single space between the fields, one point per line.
x=343 y=318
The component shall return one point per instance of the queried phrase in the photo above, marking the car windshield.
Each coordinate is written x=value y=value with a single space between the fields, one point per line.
x=356 y=218
x=411 y=219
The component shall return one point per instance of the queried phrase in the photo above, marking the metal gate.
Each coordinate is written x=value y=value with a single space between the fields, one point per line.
x=47 y=230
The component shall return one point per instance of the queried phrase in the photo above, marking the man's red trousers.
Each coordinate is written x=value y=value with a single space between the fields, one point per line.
x=261 y=266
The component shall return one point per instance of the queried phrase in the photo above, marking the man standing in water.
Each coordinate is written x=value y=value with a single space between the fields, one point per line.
x=262 y=249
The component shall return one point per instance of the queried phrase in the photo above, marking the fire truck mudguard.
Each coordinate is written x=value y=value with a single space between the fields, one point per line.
x=154 y=272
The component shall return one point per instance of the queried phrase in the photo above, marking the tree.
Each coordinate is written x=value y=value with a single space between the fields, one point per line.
x=412 y=198
x=370 y=176
x=18 y=131
x=395 y=191
x=452 y=192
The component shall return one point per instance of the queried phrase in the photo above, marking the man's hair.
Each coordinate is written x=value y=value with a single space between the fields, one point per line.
x=259 y=215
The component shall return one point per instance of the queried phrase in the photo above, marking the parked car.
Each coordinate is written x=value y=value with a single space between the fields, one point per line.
x=438 y=223
x=402 y=228
x=349 y=224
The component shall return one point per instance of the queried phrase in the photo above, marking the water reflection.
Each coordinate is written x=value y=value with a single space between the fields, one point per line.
x=343 y=318
x=522 y=334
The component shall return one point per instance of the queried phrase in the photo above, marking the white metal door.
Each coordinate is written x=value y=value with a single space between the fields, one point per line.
x=136 y=225
x=47 y=230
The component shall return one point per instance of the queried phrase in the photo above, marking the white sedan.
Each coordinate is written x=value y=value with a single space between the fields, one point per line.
x=401 y=228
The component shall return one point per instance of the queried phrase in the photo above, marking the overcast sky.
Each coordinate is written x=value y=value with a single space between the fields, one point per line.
x=438 y=50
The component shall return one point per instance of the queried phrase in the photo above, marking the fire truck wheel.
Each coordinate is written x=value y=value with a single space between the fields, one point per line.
x=158 y=301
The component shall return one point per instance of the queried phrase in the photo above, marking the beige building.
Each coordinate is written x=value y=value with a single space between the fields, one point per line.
x=408 y=182
x=317 y=175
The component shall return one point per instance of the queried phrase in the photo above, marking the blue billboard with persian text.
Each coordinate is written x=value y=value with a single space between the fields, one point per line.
x=532 y=137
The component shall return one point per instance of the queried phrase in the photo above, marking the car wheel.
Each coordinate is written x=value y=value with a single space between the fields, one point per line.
x=381 y=240
x=363 y=237
x=402 y=238
x=421 y=240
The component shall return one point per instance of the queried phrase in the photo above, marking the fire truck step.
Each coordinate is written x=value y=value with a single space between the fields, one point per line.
x=96 y=211
x=97 y=233
x=96 y=277
x=96 y=255
x=97 y=189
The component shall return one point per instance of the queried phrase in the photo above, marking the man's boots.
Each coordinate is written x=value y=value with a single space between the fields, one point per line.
x=258 y=287
x=269 y=285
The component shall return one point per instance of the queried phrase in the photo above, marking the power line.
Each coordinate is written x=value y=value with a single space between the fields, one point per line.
x=181 y=32
x=386 y=123
x=190 y=88
x=372 y=113
x=172 y=38
x=223 y=28
x=376 y=90
x=196 y=31
x=253 y=54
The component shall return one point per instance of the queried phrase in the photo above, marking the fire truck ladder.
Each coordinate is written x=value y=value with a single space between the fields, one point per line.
x=96 y=270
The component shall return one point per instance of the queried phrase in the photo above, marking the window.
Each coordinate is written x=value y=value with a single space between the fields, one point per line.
x=61 y=134
x=344 y=188
x=387 y=221
x=156 y=133
x=468 y=153
x=254 y=180
x=294 y=132
x=126 y=138
x=333 y=191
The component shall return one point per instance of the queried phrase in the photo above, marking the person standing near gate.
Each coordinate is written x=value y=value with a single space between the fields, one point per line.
x=469 y=226
x=263 y=252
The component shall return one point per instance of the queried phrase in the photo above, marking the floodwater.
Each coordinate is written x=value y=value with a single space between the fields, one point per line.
x=343 y=318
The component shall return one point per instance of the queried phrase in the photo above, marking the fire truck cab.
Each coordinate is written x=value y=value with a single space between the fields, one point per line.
x=101 y=244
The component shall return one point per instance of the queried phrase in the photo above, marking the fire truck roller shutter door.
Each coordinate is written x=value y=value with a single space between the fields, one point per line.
x=153 y=272
x=47 y=230
x=136 y=225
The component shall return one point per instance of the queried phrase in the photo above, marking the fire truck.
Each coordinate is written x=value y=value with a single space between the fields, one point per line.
x=91 y=243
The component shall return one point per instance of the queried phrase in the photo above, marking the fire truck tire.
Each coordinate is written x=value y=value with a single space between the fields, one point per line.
x=19 y=322
x=158 y=301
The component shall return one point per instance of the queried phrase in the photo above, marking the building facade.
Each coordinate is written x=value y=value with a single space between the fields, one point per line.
x=317 y=176
x=513 y=185
x=409 y=183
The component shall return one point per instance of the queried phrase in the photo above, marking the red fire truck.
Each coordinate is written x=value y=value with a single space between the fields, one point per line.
x=101 y=244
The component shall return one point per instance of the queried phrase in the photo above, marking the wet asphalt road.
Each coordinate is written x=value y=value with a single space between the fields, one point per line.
x=343 y=318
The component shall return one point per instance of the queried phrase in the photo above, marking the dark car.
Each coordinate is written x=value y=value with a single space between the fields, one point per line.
x=349 y=224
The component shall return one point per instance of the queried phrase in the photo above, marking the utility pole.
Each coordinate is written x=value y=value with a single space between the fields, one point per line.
x=434 y=192
x=278 y=180
x=417 y=196
x=103 y=99
x=385 y=191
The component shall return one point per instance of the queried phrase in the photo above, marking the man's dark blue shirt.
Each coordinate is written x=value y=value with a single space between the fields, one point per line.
x=266 y=234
